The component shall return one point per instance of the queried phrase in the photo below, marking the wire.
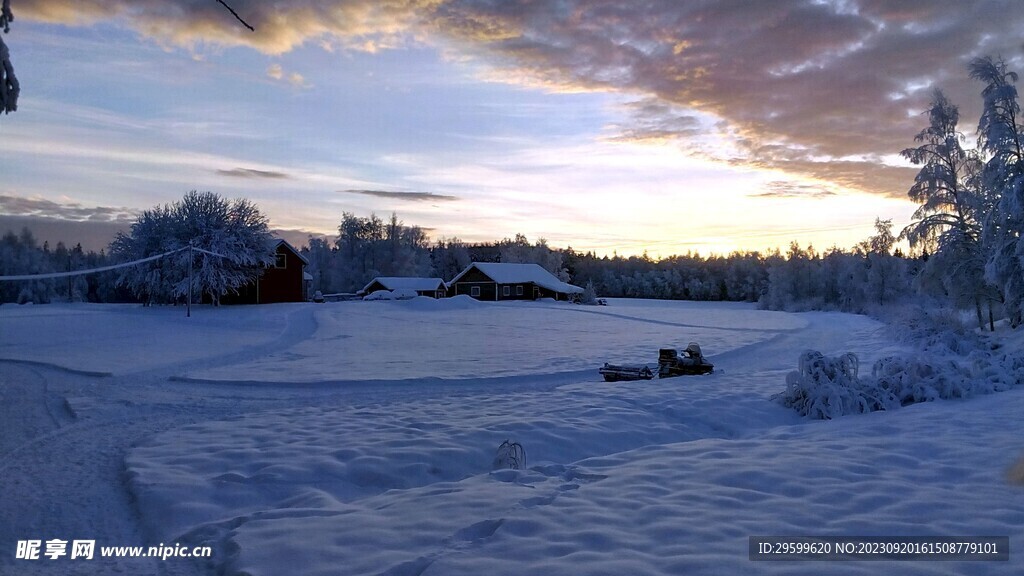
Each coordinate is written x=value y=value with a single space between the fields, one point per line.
x=21 y=277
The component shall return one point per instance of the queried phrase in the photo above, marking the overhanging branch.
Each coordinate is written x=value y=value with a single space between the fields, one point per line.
x=233 y=13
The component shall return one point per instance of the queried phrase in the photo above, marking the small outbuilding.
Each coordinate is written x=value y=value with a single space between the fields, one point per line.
x=433 y=287
x=510 y=281
x=283 y=281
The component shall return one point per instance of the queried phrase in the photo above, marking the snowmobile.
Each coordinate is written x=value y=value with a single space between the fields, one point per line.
x=670 y=364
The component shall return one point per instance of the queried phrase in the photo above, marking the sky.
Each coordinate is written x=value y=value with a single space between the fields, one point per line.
x=618 y=127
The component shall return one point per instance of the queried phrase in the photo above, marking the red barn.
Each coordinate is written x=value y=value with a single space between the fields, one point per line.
x=282 y=281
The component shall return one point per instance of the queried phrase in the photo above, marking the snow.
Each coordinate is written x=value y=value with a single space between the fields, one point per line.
x=121 y=338
x=451 y=339
x=368 y=445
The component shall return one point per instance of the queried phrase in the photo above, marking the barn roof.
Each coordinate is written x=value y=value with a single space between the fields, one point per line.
x=275 y=242
x=407 y=283
x=514 y=273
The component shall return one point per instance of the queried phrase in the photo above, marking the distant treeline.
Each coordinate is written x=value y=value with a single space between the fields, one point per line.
x=367 y=247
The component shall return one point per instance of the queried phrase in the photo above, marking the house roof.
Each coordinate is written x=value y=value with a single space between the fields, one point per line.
x=276 y=242
x=513 y=273
x=407 y=283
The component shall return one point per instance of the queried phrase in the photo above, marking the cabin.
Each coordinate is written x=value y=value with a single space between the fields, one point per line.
x=496 y=281
x=433 y=287
x=283 y=281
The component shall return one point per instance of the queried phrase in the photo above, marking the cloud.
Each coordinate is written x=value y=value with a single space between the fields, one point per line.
x=731 y=80
x=253 y=173
x=277 y=72
x=280 y=26
x=299 y=238
x=298 y=80
x=790 y=189
x=410 y=196
x=39 y=207
x=654 y=120
x=824 y=80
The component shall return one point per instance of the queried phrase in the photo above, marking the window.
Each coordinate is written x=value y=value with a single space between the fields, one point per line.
x=474 y=291
x=519 y=290
x=506 y=290
x=280 y=260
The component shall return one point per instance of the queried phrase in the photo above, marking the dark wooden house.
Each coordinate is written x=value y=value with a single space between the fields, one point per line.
x=282 y=281
x=497 y=281
x=433 y=287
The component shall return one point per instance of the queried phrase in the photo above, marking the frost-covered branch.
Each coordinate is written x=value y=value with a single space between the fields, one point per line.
x=9 y=87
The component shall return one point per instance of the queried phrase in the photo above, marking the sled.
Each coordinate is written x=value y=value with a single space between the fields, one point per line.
x=616 y=373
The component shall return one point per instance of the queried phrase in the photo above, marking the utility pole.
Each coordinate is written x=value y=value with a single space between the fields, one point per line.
x=188 y=299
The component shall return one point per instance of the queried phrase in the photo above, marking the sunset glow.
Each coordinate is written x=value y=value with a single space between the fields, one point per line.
x=695 y=126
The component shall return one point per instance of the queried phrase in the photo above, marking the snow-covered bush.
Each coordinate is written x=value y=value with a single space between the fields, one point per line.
x=379 y=295
x=403 y=294
x=912 y=379
x=826 y=388
x=510 y=455
x=589 y=295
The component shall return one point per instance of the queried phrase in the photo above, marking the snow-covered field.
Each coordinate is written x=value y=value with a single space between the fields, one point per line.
x=358 y=438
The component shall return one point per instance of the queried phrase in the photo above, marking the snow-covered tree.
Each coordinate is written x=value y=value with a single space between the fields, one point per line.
x=9 y=87
x=235 y=230
x=322 y=266
x=152 y=233
x=589 y=293
x=885 y=272
x=522 y=252
x=19 y=254
x=369 y=247
x=949 y=222
x=1001 y=135
x=449 y=257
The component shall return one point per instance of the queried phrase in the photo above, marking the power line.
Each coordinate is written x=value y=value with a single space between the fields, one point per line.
x=22 y=277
